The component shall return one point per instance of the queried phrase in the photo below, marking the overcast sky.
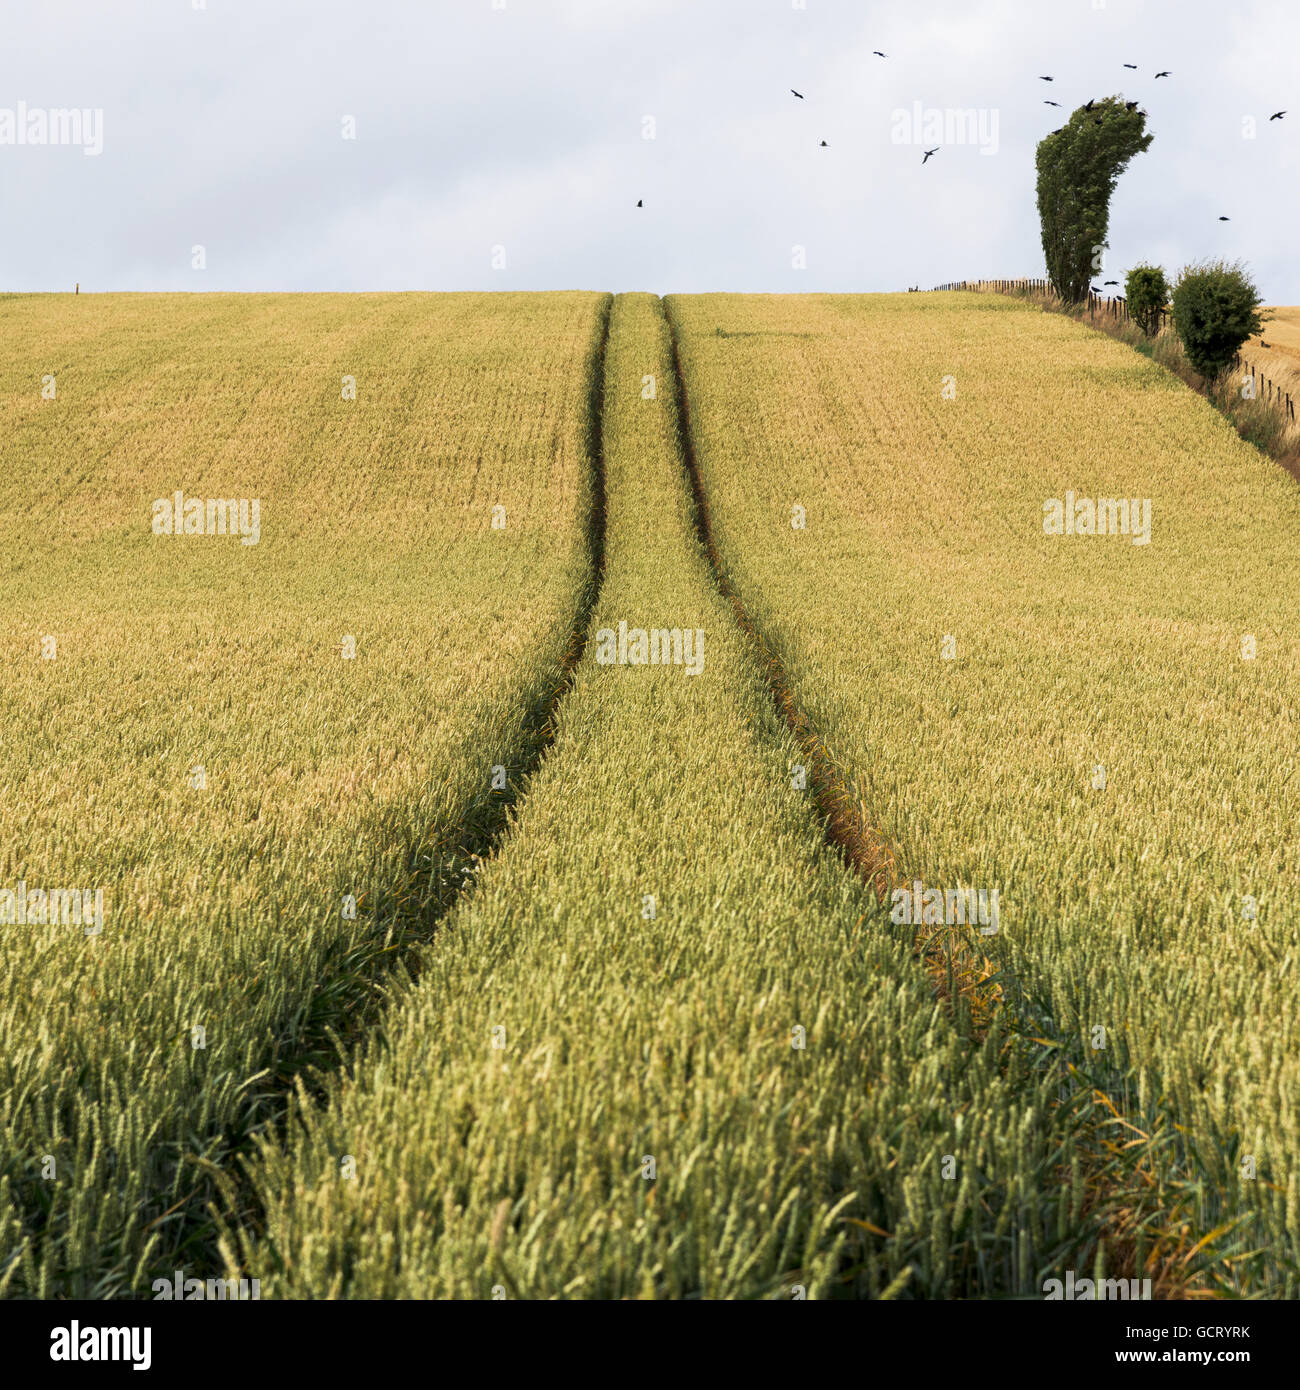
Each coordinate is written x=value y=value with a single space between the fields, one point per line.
x=520 y=125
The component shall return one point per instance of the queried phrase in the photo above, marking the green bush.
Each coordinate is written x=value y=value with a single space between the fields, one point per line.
x=1215 y=305
x=1147 y=291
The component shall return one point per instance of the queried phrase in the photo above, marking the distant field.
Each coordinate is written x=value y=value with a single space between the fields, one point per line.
x=325 y=775
x=620 y=1013
x=1124 y=907
x=1280 y=361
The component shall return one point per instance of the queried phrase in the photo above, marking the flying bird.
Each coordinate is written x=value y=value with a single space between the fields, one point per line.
x=1050 y=103
x=1094 y=289
x=879 y=54
x=1131 y=65
x=638 y=202
x=1277 y=115
x=928 y=153
x=1046 y=79
x=1163 y=74
x=1090 y=105
x=1225 y=219
x=1058 y=130
x=1111 y=282
x=1130 y=106
x=823 y=145
x=798 y=94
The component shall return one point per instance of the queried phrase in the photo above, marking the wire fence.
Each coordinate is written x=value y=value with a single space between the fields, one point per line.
x=1266 y=390
x=1116 y=307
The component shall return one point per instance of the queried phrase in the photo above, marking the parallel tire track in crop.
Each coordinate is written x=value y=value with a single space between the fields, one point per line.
x=665 y=959
x=960 y=973
x=357 y=989
x=1118 y=1196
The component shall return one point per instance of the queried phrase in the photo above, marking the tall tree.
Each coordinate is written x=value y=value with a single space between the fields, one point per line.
x=1078 y=168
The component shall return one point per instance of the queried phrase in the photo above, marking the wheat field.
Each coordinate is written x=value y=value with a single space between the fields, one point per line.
x=670 y=1047
x=253 y=775
x=527 y=843
x=1100 y=727
x=1280 y=359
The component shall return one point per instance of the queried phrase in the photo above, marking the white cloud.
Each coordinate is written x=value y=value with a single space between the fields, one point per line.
x=477 y=126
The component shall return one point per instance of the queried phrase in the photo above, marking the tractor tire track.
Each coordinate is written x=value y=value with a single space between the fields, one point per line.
x=1115 y=1207
x=442 y=868
x=960 y=974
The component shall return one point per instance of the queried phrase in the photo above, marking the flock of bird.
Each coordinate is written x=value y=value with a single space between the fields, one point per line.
x=927 y=155
x=1128 y=106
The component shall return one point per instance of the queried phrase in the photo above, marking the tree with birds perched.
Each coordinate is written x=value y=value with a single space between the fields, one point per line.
x=1078 y=167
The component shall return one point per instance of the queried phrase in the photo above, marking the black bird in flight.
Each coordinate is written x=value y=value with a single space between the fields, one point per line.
x=879 y=54
x=1046 y=79
x=1163 y=74
x=823 y=145
x=1130 y=106
x=1050 y=103
x=928 y=153
x=1111 y=282
x=638 y=202
x=1131 y=65
x=798 y=94
x=1058 y=130
x=1225 y=219
x=1277 y=115
x=1090 y=105
x=1094 y=289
